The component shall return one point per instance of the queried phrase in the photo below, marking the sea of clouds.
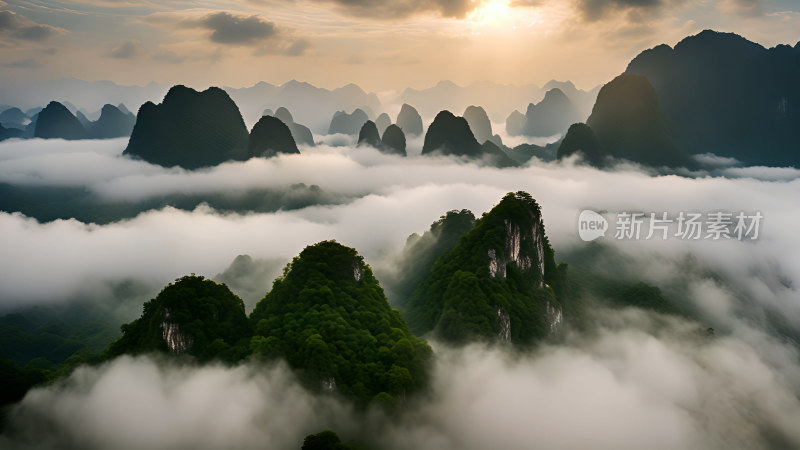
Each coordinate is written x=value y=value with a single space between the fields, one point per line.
x=635 y=380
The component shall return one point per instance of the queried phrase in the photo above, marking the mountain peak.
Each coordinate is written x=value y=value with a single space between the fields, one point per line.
x=716 y=39
x=56 y=121
x=190 y=129
x=193 y=316
x=409 y=120
x=269 y=137
x=331 y=321
x=555 y=94
x=449 y=134
x=495 y=283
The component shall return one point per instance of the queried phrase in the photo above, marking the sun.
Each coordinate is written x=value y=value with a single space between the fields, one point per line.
x=494 y=13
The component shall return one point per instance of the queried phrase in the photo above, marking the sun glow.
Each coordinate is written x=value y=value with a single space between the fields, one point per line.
x=493 y=13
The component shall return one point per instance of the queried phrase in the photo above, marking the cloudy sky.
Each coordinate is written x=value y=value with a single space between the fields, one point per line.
x=378 y=45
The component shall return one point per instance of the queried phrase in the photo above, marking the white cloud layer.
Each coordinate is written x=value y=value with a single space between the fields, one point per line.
x=640 y=381
x=637 y=382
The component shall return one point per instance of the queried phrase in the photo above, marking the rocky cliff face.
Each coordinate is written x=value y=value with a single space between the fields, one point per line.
x=177 y=341
x=517 y=239
x=193 y=316
x=524 y=242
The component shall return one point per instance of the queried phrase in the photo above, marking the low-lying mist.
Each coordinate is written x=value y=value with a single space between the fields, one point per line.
x=633 y=380
x=637 y=380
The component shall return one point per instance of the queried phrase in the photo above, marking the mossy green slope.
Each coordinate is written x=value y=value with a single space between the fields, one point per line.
x=500 y=282
x=330 y=319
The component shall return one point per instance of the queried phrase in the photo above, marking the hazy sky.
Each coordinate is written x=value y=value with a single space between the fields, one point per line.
x=378 y=45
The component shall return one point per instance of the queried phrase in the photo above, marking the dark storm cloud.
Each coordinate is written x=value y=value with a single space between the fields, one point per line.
x=404 y=8
x=238 y=30
x=11 y=24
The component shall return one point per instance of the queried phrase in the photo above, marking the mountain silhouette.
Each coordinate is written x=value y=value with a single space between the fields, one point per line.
x=56 y=122
x=629 y=124
x=478 y=122
x=726 y=95
x=515 y=123
x=269 y=137
x=112 y=123
x=409 y=120
x=190 y=129
x=553 y=115
x=85 y=122
x=13 y=118
x=451 y=135
x=581 y=139
x=368 y=135
x=394 y=140
x=8 y=133
x=382 y=122
x=348 y=123
x=301 y=134
x=522 y=153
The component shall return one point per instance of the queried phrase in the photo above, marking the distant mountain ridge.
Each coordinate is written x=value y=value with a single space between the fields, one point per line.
x=497 y=99
x=310 y=105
